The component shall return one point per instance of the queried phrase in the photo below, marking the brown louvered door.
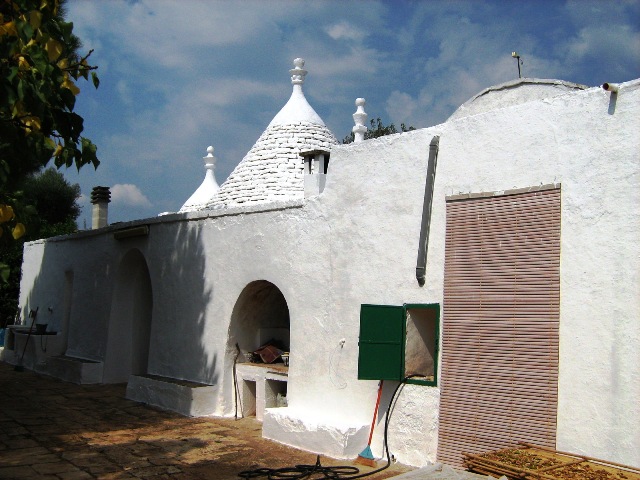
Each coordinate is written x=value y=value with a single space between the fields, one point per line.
x=500 y=323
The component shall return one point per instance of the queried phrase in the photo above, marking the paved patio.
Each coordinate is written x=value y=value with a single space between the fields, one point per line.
x=50 y=429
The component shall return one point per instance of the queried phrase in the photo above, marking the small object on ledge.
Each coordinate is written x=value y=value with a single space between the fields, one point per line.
x=269 y=353
x=41 y=328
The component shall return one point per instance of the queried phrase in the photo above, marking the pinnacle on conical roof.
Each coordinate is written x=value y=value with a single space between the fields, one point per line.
x=298 y=73
x=297 y=109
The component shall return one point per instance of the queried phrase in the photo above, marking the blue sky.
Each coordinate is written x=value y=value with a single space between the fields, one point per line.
x=178 y=76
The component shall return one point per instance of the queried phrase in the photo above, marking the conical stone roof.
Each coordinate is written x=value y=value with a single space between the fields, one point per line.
x=273 y=169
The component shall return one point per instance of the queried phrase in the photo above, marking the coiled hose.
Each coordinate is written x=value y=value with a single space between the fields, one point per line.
x=319 y=471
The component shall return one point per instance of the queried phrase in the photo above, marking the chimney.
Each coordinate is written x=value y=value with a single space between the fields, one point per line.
x=100 y=197
x=316 y=164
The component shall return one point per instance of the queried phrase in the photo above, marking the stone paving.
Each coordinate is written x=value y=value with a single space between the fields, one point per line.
x=50 y=429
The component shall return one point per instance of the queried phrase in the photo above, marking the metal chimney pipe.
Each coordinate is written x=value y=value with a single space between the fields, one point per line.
x=100 y=198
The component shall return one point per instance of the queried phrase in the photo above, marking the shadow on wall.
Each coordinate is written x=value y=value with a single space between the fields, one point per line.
x=136 y=303
x=59 y=291
x=180 y=347
x=129 y=332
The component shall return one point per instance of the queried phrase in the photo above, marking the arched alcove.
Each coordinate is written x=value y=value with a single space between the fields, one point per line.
x=130 y=320
x=259 y=315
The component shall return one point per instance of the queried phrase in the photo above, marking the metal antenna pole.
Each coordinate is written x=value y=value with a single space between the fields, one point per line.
x=517 y=57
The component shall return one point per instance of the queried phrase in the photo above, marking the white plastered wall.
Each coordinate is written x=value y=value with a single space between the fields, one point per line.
x=581 y=142
x=357 y=243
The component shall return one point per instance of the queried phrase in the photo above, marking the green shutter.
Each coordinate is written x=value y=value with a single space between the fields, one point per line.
x=381 y=342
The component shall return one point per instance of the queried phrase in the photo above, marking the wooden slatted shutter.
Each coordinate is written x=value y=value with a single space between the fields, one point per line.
x=500 y=323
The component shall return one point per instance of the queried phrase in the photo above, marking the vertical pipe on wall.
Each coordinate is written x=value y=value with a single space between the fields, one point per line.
x=421 y=265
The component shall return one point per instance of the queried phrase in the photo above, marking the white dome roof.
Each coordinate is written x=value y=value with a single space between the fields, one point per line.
x=514 y=92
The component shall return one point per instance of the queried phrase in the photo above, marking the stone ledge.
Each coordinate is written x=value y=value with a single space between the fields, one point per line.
x=187 y=398
x=74 y=370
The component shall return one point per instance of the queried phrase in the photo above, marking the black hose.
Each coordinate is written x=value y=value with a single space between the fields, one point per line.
x=341 y=472
x=235 y=380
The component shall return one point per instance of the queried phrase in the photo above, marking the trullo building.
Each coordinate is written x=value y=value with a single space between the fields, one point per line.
x=494 y=258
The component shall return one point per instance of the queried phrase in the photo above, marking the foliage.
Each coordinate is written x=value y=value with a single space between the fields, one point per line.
x=53 y=197
x=55 y=201
x=377 y=129
x=38 y=69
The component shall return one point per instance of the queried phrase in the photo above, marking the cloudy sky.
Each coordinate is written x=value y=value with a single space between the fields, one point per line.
x=178 y=76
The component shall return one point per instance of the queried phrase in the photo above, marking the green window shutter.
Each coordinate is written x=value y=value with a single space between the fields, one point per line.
x=381 y=342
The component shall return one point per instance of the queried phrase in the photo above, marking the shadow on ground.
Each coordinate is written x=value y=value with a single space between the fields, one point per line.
x=55 y=430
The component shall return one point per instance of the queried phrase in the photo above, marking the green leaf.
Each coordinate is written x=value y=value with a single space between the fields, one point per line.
x=40 y=60
x=61 y=124
x=5 y=270
x=68 y=98
x=25 y=31
x=89 y=151
x=20 y=89
x=96 y=80
x=77 y=125
x=13 y=71
x=66 y=28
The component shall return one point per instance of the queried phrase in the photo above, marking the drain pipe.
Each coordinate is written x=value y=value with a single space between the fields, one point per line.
x=611 y=87
x=421 y=265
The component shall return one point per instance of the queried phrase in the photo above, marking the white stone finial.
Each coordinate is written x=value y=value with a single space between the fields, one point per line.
x=209 y=160
x=298 y=73
x=360 y=117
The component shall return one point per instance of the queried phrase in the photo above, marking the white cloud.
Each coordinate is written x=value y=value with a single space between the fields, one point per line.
x=616 y=47
x=128 y=194
x=343 y=30
x=125 y=92
x=401 y=106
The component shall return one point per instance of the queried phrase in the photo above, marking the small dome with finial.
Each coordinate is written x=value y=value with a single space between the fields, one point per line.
x=208 y=189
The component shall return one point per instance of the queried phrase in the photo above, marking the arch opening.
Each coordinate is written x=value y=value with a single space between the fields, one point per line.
x=130 y=320
x=260 y=316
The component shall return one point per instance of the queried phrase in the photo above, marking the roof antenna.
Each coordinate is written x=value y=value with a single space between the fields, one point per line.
x=520 y=62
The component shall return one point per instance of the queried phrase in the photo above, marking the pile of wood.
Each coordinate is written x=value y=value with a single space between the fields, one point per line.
x=539 y=463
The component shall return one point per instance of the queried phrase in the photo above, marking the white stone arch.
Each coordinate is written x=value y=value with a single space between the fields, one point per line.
x=260 y=313
x=129 y=329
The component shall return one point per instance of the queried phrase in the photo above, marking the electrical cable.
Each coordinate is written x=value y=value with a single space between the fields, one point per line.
x=340 y=472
